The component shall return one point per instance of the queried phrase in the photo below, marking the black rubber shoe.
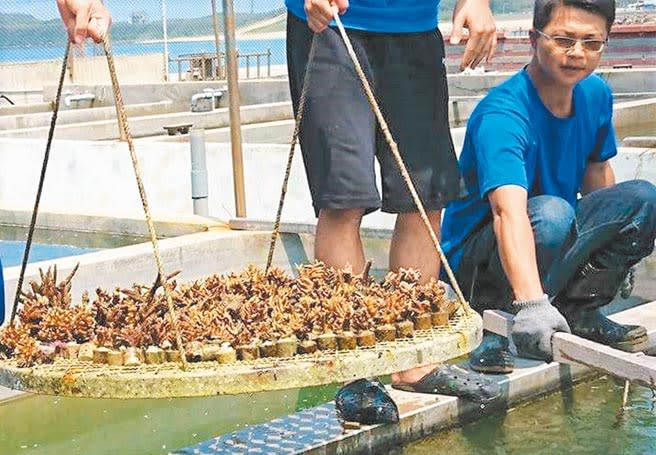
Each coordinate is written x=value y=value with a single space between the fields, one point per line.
x=492 y=355
x=366 y=401
x=593 y=325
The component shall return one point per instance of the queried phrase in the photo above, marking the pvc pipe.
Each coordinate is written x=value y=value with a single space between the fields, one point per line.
x=199 y=184
x=207 y=94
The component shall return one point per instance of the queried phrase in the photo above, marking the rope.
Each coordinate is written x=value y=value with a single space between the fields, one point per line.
x=123 y=123
x=393 y=147
x=44 y=166
x=399 y=161
x=297 y=127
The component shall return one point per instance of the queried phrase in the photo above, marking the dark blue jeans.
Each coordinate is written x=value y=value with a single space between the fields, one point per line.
x=614 y=227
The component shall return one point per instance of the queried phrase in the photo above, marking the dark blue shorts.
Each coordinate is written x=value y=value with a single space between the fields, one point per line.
x=340 y=138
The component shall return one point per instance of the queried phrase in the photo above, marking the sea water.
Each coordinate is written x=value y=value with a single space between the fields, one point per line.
x=52 y=244
x=175 y=48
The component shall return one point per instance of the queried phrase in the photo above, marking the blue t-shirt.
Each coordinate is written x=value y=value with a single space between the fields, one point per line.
x=513 y=139
x=383 y=16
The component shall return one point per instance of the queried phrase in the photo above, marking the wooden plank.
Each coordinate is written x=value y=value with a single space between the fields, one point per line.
x=500 y=322
x=636 y=367
x=497 y=321
x=568 y=348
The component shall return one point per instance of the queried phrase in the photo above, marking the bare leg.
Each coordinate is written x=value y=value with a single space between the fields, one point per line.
x=412 y=247
x=337 y=242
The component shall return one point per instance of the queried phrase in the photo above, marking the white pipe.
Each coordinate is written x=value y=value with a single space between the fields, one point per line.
x=199 y=186
x=207 y=94
x=201 y=96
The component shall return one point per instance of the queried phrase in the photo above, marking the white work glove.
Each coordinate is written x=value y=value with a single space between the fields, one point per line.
x=534 y=325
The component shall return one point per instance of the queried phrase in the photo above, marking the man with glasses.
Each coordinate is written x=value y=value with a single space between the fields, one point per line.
x=568 y=44
x=546 y=232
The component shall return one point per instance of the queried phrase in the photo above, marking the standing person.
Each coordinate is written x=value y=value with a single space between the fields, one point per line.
x=523 y=240
x=402 y=53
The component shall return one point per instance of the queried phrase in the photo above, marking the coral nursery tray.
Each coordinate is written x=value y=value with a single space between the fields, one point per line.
x=87 y=379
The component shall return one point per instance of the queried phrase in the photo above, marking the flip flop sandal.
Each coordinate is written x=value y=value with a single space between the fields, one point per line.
x=492 y=356
x=456 y=381
x=366 y=401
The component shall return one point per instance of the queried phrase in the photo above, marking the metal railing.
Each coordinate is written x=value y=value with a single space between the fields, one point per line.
x=257 y=56
x=203 y=66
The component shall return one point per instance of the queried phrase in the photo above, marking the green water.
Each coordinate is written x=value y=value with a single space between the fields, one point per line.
x=582 y=420
x=80 y=239
x=56 y=425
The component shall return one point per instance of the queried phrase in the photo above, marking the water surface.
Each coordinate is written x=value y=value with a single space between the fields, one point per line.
x=52 y=244
x=48 y=425
x=581 y=420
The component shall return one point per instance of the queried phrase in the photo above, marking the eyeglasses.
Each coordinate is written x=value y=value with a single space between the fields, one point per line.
x=566 y=43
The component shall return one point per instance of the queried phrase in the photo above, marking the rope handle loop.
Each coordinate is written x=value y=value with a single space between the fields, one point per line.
x=123 y=124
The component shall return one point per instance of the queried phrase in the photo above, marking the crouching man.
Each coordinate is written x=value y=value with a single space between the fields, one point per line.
x=546 y=232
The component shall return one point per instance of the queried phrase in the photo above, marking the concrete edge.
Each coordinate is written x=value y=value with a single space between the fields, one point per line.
x=171 y=225
x=250 y=224
x=646 y=142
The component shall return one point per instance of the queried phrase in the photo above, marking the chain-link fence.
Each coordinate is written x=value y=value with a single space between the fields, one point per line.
x=176 y=40
x=184 y=34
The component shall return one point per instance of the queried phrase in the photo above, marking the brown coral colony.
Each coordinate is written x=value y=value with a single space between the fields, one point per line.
x=223 y=317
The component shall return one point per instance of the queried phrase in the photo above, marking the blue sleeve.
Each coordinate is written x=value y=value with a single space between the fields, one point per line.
x=605 y=144
x=500 y=143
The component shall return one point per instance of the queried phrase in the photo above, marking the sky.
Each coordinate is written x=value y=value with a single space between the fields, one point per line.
x=122 y=9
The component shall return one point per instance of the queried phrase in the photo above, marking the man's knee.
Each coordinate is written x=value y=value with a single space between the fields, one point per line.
x=414 y=220
x=646 y=192
x=639 y=190
x=343 y=217
x=641 y=194
x=552 y=219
